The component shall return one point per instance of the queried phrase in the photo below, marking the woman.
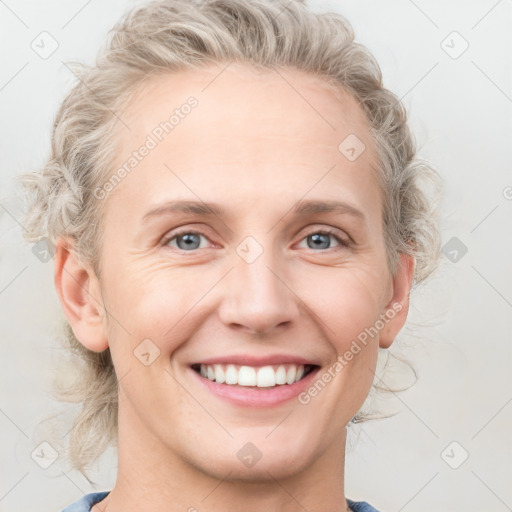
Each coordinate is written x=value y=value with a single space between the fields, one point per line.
x=227 y=372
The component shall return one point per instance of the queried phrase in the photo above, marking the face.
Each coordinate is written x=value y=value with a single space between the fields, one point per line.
x=255 y=273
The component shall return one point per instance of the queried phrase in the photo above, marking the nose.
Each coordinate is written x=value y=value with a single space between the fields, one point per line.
x=259 y=298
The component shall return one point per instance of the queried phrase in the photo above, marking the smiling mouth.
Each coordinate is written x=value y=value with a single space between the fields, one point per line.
x=252 y=376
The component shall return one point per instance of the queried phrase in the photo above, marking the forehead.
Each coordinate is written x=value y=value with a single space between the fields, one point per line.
x=250 y=98
x=251 y=132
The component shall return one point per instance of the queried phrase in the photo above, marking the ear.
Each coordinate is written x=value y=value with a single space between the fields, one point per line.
x=79 y=293
x=398 y=306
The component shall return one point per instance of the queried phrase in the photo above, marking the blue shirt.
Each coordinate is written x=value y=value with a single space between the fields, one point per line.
x=84 y=504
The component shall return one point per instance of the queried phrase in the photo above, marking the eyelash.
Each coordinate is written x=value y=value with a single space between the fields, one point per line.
x=325 y=231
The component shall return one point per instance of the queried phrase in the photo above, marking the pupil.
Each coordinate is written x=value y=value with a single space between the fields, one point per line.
x=188 y=239
x=318 y=238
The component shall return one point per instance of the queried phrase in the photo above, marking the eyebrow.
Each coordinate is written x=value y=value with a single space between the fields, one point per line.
x=211 y=209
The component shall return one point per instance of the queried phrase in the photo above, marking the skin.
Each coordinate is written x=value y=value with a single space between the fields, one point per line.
x=258 y=142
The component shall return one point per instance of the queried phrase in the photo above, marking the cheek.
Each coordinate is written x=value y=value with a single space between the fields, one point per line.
x=167 y=304
x=144 y=322
x=152 y=299
x=347 y=302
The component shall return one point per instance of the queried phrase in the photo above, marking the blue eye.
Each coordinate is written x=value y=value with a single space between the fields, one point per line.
x=186 y=241
x=320 y=240
x=191 y=240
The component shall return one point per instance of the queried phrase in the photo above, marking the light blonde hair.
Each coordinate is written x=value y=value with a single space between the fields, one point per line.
x=165 y=36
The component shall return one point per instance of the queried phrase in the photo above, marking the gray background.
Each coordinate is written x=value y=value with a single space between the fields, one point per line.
x=459 y=331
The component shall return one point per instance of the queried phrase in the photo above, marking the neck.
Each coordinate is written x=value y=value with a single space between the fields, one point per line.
x=156 y=478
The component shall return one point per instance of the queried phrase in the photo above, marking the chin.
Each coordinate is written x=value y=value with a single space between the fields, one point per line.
x=249 y=464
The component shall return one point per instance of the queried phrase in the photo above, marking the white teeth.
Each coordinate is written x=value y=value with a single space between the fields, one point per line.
x=231 y=374
x=246 y=376
x=262 y=377
x=281 y=375
x=290 y=375
x=266 y=377
x=220 y=376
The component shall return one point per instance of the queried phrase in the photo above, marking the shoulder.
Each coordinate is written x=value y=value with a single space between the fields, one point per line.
x=85 y=503
x=360 y=506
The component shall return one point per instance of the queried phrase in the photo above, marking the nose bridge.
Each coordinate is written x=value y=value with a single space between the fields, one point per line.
x=258 y=299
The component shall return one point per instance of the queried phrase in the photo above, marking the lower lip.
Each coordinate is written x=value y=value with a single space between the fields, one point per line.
x=257 y=397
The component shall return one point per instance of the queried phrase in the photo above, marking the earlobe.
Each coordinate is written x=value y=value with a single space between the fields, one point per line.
x=80 y=297
x=398 y=307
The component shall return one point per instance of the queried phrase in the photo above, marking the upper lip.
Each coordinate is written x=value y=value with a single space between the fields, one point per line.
x=250 y=360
